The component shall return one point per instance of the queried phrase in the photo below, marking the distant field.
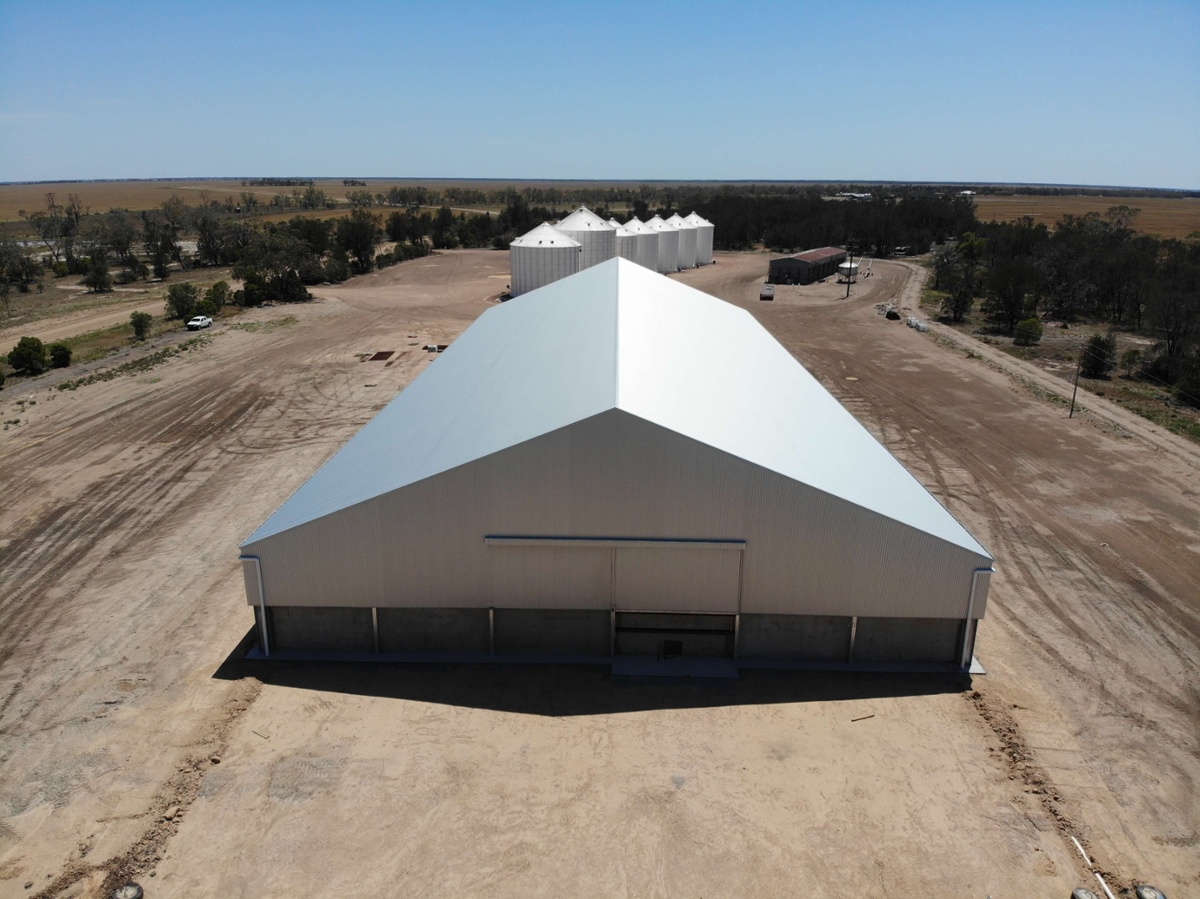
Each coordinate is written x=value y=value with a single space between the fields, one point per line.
x=100 y=196
x=1166 y=217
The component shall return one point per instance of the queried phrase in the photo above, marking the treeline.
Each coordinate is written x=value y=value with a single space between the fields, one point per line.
x=804 y=221
x=1089 y=267
x=278 y=182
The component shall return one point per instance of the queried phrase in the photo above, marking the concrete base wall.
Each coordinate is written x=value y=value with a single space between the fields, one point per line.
x=321 y=629
x=582 y=631
x=433 y=630
x=657 y=634
x=795 y=637
x=907 y=640
x=801 y=638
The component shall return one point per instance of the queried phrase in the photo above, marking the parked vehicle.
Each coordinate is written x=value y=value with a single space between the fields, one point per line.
x=200 y=321
x=766 y=292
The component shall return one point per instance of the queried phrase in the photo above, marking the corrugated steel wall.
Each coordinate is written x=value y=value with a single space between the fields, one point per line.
x=677 y=579
x=596 y=245
x=534 y=267
x=704 y=244
x=615 y=475
x=687 y=246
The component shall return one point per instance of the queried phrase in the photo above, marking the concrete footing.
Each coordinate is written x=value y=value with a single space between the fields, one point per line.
x=750 y=640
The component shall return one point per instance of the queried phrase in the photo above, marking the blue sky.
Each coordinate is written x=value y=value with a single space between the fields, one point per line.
x=1059 y=92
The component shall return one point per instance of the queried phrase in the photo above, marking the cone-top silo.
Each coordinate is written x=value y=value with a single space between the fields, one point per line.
x=687 y=240
x=668 y=245
x=645 y=251
x=704 y=238
x=543 y=255
x=597 y=238
x=626 y=243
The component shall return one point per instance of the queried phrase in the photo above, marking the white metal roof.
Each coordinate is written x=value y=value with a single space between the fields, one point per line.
x=618 y=335
x=583 y=219
x=678 y=221
x=614 y=223
x=657 y=224
x=637 y=226
x=697 y=221
x=544 y=235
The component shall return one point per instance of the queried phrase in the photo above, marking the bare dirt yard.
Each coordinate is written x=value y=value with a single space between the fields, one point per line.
x=135 y=742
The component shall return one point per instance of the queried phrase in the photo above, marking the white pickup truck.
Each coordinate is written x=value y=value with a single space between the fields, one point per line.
x=766 y=292
x=200 y=321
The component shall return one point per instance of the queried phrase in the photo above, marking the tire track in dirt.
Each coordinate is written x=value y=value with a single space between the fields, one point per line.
x=64 y=543
x=166 y=810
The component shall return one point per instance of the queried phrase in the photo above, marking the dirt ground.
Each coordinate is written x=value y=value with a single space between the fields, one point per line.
x=135 y=742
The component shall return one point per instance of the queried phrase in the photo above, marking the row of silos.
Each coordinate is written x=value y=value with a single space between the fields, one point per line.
x=583 y=239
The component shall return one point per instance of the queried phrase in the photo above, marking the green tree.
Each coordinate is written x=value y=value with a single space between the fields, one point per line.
x=1028 y=332
x=182 y=300
x=1098 y=356
x=1129 y=361
x=28 y=356
x=357 y=236
x=97 y=279
x=219 y=295
x=141 y=322
x=1008 y=285
x=60 y=355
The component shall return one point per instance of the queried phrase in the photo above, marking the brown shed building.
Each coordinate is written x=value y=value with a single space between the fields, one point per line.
x=806 y=267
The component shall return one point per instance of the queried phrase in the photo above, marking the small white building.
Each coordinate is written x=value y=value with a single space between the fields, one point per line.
x=540 y=257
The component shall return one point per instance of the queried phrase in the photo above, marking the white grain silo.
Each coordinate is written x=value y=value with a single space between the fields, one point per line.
x=543 y=255
x=687 y=240
x=626 y=243
x=645 y=251
x=668 y=245
x=704 y=238
x=597 y=238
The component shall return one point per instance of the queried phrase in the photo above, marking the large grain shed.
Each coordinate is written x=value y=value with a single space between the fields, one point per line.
x=540 y=257
x=687 y=240
x=668 y=245
x=592 y=473
x=597 y=237
x=806 y=267
x=704 y=238
x=645 y=251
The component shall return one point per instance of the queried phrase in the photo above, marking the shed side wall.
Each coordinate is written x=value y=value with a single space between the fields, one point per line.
x=614 y=475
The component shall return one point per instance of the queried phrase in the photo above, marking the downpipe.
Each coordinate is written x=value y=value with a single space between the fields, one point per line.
x=263 y=635
x=968 y=645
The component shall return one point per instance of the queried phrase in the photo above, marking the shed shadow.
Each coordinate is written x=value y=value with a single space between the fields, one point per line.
x=561 y=691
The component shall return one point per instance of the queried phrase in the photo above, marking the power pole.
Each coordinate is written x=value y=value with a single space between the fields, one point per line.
x=849 y=271
x=1079 y=366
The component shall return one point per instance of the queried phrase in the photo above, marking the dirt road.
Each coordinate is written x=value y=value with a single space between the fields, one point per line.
x=49 y=330
x=132 y=740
